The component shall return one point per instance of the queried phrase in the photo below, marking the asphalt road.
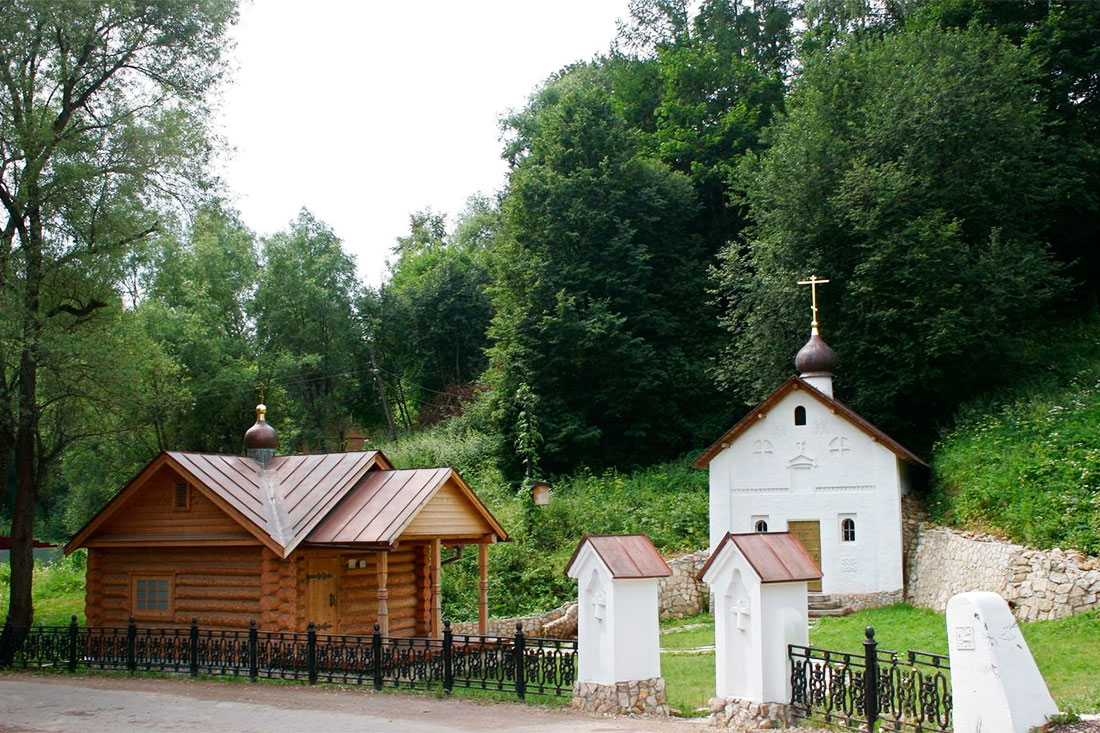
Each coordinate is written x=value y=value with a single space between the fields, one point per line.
x=38 y=703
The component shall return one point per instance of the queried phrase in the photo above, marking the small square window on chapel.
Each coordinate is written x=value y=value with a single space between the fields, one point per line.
x=152 y=597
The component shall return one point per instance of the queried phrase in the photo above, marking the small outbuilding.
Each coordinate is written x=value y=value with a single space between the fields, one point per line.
x=759 y=582
x=617 y=626
x=343 y=540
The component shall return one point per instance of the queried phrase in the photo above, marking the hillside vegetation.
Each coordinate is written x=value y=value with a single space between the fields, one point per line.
x=1024 y=462
x=667 y=501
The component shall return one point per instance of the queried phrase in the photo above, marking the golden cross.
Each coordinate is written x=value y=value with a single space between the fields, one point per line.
x=813 y=282
x=260 y=389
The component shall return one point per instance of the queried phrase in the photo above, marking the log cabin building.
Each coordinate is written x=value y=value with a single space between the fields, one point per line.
x=343 y=540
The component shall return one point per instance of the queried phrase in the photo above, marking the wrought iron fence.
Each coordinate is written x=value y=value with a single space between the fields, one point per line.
x=910 y=693
x=515 y=664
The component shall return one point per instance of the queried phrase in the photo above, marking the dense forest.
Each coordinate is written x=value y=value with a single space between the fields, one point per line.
x=618 y=302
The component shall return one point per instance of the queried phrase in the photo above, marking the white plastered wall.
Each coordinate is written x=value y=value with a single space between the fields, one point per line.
x=754 y=623
x=617 y=627
x=822 y=471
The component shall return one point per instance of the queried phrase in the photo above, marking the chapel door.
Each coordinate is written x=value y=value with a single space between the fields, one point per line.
x=809 y=534
x=322 y=593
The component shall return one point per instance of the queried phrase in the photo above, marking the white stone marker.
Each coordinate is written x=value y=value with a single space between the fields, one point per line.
x=995 y=684
x=618 y=636
x=759 y=583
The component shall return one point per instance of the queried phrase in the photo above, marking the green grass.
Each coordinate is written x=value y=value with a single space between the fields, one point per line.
x=688 y=638
x=1067 y=651
x=57 y=590
x=1023 y=462
x=689 y=681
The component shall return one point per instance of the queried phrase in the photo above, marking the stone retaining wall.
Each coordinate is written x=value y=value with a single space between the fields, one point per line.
x=560 y=623
x=680 y=595
x=1038 y=584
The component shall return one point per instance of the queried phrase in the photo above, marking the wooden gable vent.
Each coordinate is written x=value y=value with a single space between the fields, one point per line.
x=181 y=496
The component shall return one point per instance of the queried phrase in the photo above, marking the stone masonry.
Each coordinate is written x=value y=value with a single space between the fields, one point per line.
x=744 y=715
x=1037 y=584
x=637 y=697
x=680 y=595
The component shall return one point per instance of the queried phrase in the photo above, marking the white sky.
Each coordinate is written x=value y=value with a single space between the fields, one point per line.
x=364 y=112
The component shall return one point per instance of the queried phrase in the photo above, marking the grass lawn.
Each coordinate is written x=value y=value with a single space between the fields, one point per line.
x=1067 y=651
x=58 y=590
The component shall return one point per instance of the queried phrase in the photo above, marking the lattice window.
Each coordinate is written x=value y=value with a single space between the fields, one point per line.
x=152 y=597
x=848 y=530
x=760 y=526
x=181 y=497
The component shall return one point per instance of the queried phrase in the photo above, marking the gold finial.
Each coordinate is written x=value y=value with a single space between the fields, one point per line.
x=813 y=282
x=261 y=411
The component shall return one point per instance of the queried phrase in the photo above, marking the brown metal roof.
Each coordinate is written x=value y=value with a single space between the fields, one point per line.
x=380 y=506
x=833 y=404
x=289 y=497
x=329 y=498
x=777 y=557
x=626 y=556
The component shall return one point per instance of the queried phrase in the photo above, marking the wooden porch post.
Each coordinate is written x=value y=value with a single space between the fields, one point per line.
x=436 y=585
x=383 y=593
x=483 y=589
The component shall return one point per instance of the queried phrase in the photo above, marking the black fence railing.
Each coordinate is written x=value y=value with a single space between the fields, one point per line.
x=512 y=664
x=878 y=687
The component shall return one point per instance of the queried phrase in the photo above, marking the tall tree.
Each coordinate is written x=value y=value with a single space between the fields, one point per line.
x=310 y=341
x=102 y=115
x=910 y=171
x=599 y=285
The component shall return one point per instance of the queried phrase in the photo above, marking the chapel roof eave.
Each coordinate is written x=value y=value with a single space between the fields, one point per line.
x=866 y=426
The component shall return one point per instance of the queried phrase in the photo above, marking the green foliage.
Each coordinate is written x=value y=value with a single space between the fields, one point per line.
x=909 y=170
x=308 y=334
x=1023 y=462
x=58 y=590
x=598 y=286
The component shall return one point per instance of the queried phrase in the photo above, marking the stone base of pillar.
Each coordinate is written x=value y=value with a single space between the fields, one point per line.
x=737 y=713
x=637 y=697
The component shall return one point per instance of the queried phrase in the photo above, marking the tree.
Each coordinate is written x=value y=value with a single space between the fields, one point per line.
x=909 y=171
x=102 y=116
x=309 y=338
x=598 y=286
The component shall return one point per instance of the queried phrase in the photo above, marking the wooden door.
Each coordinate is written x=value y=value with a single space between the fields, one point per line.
x=323 y=593
x=809 y=534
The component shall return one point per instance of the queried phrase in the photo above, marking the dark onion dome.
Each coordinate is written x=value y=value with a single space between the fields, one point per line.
x=816 y=357
x=261 y=435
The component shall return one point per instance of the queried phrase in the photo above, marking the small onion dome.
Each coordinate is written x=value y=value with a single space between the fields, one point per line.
x=816 y=357
x=261 y=435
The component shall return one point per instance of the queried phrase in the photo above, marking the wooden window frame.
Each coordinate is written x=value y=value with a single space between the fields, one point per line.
x=153 y=614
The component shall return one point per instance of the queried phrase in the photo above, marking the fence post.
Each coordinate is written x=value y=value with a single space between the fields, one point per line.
x=448 y=658
x=253 y=651
x=193 y=648
x=73 y=635
x=520 y=659
x=311 y=652
x=376 y=646
x=870 y=677
x=131 y=645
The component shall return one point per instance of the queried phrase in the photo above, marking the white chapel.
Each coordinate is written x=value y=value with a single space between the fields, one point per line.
x=804 y=462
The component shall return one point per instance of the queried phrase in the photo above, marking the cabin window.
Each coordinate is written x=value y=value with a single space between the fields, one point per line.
x=800 y=415
x=847 y=530
x=181 y=497
x=760 y=526
x=152 y=597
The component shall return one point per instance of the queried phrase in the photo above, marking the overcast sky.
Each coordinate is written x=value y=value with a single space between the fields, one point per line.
x=366 y=111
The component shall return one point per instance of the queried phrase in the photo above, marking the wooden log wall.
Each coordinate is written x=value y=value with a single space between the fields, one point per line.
x=358 y=591
x=220 y=586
